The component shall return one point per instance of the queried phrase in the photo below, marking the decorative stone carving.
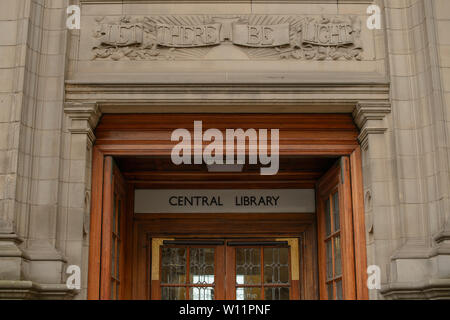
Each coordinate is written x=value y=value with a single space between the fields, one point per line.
x=265 y=37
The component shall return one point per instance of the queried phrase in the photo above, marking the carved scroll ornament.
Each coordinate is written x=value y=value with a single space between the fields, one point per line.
x=258 y=37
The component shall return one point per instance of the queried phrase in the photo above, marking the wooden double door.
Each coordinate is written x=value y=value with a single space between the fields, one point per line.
x=247 y=269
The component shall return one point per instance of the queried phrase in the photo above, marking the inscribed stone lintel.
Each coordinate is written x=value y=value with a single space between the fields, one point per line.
x=264 y=37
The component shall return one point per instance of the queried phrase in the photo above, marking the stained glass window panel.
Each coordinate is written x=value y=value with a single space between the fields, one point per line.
x=339 y=290
x=336 y=219
x=278 y=293
x=248 y=293
x=248 y=266
x=327 y=218
x=201 y=265
x=173 y=265
x=329 y=252
x=337 y=256
x=173 y=293
x=330 y=291
x=276 y=265
x=201 y=293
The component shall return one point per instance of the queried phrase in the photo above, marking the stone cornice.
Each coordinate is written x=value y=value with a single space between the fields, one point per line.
x=83 y=118
x=370 y=110
x=369 y=117
x=248 y=97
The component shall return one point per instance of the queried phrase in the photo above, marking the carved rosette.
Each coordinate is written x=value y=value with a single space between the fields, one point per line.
x=264 y=37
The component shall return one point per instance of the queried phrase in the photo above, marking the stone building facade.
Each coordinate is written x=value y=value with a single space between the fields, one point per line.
x=215 y=56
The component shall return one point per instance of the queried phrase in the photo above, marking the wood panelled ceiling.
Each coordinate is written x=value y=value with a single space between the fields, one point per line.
x=160 y=172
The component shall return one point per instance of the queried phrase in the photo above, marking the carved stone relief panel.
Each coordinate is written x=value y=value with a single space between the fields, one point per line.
x=254 y=37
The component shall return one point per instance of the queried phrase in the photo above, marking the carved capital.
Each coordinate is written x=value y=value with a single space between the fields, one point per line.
x=83 y=117
x=369 y=117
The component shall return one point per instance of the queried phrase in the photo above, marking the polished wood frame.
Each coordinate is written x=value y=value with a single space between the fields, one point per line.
x=336 y=180
x=300 y=135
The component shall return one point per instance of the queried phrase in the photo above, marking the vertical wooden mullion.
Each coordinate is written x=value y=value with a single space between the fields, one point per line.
x=331 y=239
x=127 y=246
x=220 y=269
x=230 y=288
x=95 y=238
x=188 y=256
x=321 y=245
x=359 y=225
x=105 y=276
x=347 y=245
x=160 y=272
x=291 y=282
x=262 y=273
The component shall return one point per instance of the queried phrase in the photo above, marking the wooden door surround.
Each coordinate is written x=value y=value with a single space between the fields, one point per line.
x=132 y=139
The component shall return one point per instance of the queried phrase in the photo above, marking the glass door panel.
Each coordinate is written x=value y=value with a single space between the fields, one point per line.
x=187 y=273
x=208 y=272
x=262 y=273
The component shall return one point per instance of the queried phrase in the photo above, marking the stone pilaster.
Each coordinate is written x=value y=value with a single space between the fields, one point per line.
x=372 y=118
x=420 y=263
x=81 y=120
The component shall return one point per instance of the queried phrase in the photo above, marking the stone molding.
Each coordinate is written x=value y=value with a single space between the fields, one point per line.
x=431 y=289
x=369 y=116
x=9 y=244
x=83 y=118
x=31 y=290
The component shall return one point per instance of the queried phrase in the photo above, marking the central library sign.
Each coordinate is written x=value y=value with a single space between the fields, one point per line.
x=224 y=201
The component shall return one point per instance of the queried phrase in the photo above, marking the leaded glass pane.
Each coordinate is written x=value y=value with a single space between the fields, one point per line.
x=114 y=214
x=113 y=256
x=336 y=211
x=248 y=266
x=201 y=293
x=111 y=296
x=337 y=256
x=119 y=213
x=276 y=265
x=329 y=252
x=201 y=265
x=338 y=290
x=327 y=218
x=330 y=291
x=173 y=293
x=248 y=293
x=118 y=261
x=276 y=293
x=173 y=265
